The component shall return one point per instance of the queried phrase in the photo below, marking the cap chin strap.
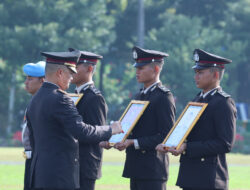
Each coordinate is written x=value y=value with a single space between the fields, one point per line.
x=209 y=64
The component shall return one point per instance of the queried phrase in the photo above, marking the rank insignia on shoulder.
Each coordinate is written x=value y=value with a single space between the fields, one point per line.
x=95 y=90
x=62 y=91
x=163 y=88
x=224 y=94
x=153 y=88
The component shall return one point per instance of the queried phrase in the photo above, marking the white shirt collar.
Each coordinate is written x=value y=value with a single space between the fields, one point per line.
x=78 y=89
x=205 y=94
x=147 y=89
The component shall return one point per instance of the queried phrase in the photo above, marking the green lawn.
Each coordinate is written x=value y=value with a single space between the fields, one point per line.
x=12 y=167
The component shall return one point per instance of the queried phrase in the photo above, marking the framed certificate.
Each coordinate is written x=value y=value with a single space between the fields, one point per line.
x=128 y=120
x=75 y=97
x=184 y=124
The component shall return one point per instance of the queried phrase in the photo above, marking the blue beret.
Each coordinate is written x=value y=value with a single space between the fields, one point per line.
x=35 y=69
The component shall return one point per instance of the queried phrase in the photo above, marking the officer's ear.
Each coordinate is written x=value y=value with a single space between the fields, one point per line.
x=42 y=79
x=90 y=68
x=217 y=75
x=157 y=69
x=59 y=71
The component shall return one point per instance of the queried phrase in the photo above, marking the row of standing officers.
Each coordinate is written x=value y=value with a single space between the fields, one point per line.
x=64 y=143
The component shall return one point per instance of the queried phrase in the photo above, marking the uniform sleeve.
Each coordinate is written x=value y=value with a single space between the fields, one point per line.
x=31 y=137
x=225 y=126
x=70 y=119
x=165 y=117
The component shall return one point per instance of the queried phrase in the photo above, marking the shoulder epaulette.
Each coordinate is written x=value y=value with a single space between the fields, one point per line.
x=62 y=91
x=94 y=89
x=163 y=88
x=224 y=94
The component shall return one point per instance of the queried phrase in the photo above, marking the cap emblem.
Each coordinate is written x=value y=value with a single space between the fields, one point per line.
x=135 y=56
x=196 y=56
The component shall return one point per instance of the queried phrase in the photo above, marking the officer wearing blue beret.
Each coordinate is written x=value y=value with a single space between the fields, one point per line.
x=56 y=126
x=35 y=73
x=203 y=163
x=146 y=168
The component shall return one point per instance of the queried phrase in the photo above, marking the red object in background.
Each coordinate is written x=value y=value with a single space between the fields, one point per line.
x=17 y=136
x=130 y=95
x=239 y=137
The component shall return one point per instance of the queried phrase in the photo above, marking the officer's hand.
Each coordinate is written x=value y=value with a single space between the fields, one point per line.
x=161 y=148
x=179 y=151
x=116 y=127
x=121 y=146
x=105 y=144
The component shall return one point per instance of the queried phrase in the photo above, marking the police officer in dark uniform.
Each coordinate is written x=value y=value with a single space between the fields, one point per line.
x=93 y=109
x=55 y=126
x=35 y=74
x=203 y=163
x=147 y=168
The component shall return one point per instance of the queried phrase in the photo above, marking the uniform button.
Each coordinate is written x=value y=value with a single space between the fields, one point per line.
x=76 y=160
x=202 y=159
x=143 y=152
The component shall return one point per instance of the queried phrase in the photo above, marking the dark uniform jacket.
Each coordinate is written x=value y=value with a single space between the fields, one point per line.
x=55 y=125
x=204 y=163
x=151 y=129
x=93 y=109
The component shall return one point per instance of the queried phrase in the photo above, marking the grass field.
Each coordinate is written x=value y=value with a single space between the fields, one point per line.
x=12 y=168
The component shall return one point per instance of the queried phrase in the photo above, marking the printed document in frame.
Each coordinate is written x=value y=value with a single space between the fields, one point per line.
x=128 y=120
x=184 y=124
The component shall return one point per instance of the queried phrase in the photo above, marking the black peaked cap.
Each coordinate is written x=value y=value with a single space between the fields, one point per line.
x=87 y=57
x=146 y=56
x=205 y=60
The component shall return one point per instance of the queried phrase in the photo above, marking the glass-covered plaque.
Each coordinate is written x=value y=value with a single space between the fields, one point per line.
x=128 y=120
x=184 y=124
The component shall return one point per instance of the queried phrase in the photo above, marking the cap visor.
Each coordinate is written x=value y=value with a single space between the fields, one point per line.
x=139 y=64
x=73 y=69
x=198 y=67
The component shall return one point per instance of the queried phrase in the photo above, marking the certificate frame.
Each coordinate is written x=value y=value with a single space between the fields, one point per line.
x=75 y=97
x=198 y=109
x=128 y=111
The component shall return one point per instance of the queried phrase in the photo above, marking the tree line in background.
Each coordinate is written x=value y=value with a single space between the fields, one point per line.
x=109 y=28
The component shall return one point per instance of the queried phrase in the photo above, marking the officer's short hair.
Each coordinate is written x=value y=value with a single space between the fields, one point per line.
x=52 y=68
x=219 y=70
x=159 y=64
x=89 y=64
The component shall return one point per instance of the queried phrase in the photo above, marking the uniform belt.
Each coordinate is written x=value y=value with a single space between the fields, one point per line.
x=27 y=154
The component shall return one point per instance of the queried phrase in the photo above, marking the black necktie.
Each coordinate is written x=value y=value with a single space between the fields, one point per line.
x=142 y=96
x=200 y=99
